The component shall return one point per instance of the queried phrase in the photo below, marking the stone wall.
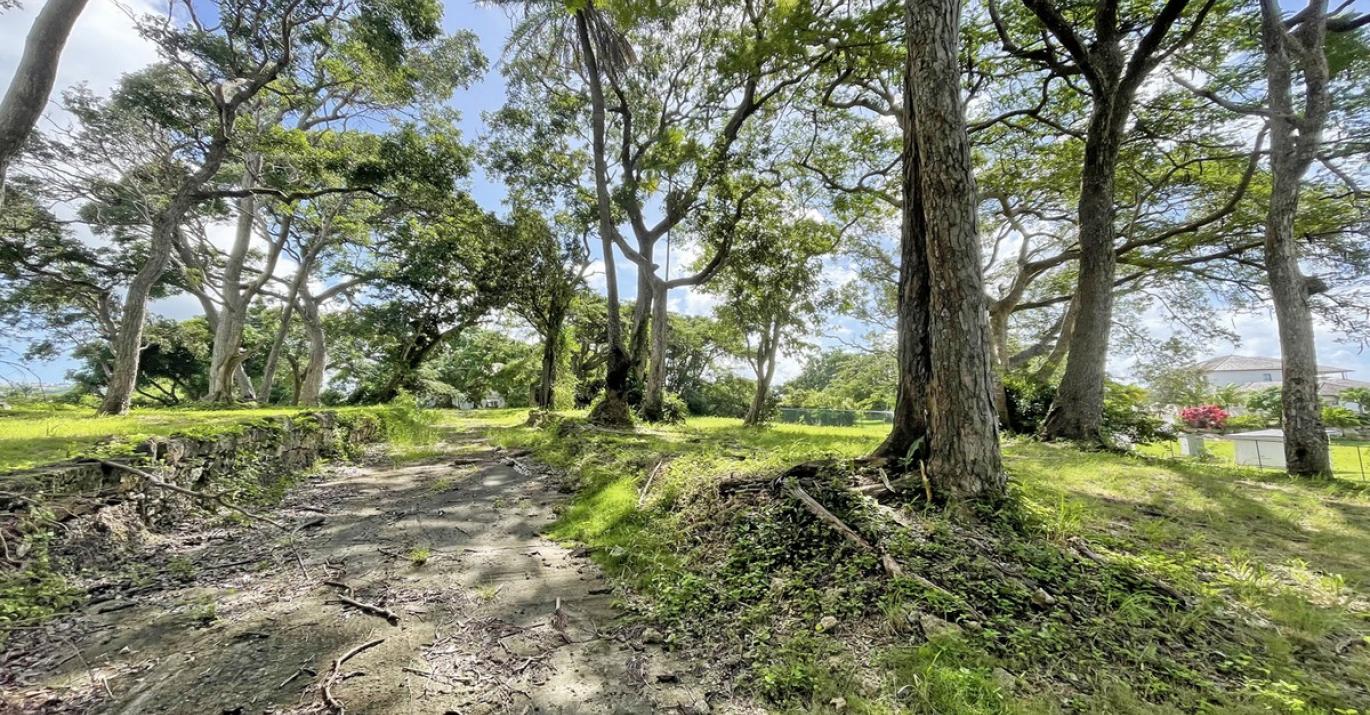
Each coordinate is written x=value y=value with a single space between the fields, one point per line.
x=253 y=462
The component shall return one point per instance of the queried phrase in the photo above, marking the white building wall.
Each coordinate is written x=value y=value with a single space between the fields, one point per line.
x=1218 y=378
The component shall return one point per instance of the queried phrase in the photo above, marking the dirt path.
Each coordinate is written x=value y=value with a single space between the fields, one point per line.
x=229 y=620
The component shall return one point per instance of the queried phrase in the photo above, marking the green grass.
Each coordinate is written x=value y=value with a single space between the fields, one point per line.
x=36 y=435
x=1280 y=569
x=1350 y=460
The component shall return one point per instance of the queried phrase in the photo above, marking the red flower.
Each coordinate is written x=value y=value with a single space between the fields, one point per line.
x=1204 y=417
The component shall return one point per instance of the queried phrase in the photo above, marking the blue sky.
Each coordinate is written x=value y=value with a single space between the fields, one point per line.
x=104 y=46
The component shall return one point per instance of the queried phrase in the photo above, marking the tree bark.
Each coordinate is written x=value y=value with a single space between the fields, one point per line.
x=33 y=78
x=551 y=355
x=653 y=394
x=908 y=434
x=128 y=343
x=998 y=326
x=964 y=461
x=228 y=335
x=273 y=356
x=1294 y=143
x=1077 y=411
x=765 y=373
x=311 y=384
x=638 y=343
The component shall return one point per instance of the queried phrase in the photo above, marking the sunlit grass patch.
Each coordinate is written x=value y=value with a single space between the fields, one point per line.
x=1292 y=556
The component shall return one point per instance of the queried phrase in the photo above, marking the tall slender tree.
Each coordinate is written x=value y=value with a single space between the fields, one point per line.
x=1114 y=49
x=1296 y=47
x=32 y=82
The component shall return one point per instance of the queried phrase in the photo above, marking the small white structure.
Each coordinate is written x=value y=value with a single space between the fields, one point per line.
x=1192 y=445
x=1261 y=448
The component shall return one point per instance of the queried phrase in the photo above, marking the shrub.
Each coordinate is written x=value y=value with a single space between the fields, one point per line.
x=1028 y=402
x=1126 y=414
x=1334 y=416
x=1266 y=402
x=1204 y=417
x=673 y=409
x=1246 y=422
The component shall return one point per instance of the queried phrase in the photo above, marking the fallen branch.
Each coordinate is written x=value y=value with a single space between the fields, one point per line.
x=887 y=561
x=647 y=487
x=309 y=524
x=333 y=705
x=217 y=498
x=890 y=565
x=741 y=484
x=390 y=616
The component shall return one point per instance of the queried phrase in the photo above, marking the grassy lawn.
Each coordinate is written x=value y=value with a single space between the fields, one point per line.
x=1350 y=459
x=1280 y=570
x=34 y=435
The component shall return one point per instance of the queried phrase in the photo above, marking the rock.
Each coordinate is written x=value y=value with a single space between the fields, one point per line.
x=827 y=624
x=1042 y=598
x=934 y=627
x=838 y=704
x=651 y=635
x=1004 y=679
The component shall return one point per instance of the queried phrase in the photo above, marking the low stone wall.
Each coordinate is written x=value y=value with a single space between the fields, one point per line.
x=253 y=462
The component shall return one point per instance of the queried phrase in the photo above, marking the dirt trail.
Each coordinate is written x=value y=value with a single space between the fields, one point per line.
x=498 y=619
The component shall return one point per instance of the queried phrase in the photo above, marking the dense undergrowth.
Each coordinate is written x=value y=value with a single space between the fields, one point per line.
x=1110 y=584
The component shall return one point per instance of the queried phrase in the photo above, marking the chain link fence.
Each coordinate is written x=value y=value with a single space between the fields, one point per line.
x=825 y=417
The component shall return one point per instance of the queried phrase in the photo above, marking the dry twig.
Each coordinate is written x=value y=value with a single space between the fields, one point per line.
x=333 y=705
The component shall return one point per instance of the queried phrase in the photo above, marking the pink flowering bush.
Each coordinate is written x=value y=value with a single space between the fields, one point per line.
x=1204 y=417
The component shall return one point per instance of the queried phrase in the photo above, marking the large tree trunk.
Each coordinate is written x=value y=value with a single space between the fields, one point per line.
x=1294 y=142
x=908 y=435
x=311 y=384
x=228 y=335
x=638 y=342
x=612 y=409
x=653 y=395
x=998 y=328
x=128 y=343
x=32 y=83
x=551 y=355
x=765 y=373
x=1047 y=370
x=273 y=356
x=965 y=462
x=1077 y=411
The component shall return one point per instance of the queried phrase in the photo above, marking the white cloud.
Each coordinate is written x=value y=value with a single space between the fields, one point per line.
x=692 y=300
x=103 y=46
x=1258 y=335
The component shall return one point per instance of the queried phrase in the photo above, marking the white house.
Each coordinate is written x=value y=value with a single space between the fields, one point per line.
x=1250 y=374
x=1243 y=370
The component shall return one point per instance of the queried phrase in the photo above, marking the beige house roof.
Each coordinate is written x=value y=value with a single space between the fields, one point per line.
x=1245 y=362
x=1326 y=388
x=1338 y=385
